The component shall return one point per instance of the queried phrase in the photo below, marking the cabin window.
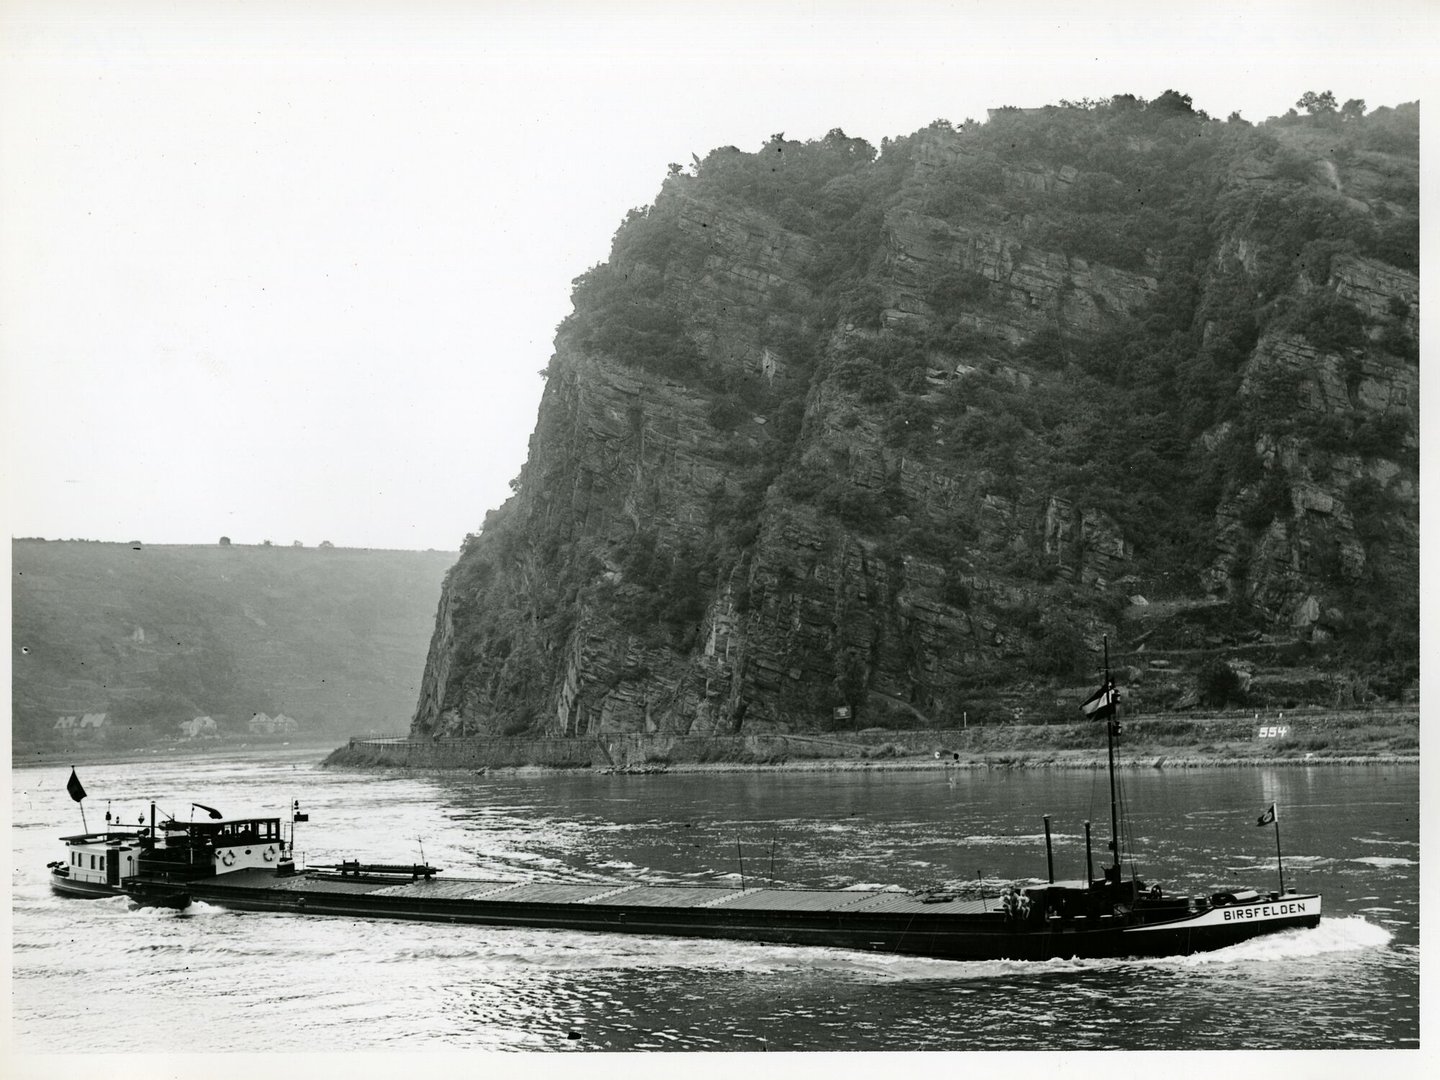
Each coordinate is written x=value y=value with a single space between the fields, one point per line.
x=92 y=862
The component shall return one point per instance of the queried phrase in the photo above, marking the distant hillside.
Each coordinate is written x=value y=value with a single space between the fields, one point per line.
x=333 y=637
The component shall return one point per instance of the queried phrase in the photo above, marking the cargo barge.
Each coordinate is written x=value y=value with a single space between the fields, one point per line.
x=1057 y=919
x=248 y=865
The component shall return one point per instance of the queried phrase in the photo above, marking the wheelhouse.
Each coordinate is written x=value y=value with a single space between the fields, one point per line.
x=196 y=849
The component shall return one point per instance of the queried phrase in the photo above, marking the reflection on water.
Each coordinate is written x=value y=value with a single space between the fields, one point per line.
x=258 y=981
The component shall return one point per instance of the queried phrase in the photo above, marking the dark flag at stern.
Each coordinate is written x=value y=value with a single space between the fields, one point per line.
x=1101 y=704
x=73 y=785
x=1268 y=816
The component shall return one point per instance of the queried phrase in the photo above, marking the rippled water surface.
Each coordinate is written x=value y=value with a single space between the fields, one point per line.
x=94 y=976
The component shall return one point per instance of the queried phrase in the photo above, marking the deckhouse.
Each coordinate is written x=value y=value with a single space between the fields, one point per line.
x=98 y=864
x=194 y=849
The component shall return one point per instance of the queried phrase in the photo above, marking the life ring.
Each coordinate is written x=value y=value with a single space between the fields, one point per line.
x=269 y=854
x=228 y=858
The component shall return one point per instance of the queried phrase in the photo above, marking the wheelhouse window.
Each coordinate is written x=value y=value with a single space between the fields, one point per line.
x=234 y=833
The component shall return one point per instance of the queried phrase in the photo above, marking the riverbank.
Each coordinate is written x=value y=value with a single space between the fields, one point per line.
x=1077 y=762
x=85 y=754
x=1352 y=738
x=1372 y=737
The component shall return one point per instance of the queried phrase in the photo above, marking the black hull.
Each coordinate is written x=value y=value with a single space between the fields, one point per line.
x=970 y=935
x=157 y=894
x=83 y=890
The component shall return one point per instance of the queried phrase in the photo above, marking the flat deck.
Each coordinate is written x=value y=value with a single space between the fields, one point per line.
x=865 y=919
x=602 y=895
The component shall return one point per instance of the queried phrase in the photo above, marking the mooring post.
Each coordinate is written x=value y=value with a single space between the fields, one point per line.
x=1049 y=852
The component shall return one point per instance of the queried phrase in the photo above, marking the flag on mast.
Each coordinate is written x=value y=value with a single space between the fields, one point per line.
x=73 y=785
x=1101 y=704
x=1268 y=817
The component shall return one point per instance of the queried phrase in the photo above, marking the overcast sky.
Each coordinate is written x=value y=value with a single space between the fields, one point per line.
x=290 y=271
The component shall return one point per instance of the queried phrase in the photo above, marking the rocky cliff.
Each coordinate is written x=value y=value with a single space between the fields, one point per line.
x=858 y=439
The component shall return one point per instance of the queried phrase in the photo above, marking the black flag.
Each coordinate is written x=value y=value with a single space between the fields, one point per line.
x=209 y=810
x=1268 y=816
x=1101 y=704
x=73 y=785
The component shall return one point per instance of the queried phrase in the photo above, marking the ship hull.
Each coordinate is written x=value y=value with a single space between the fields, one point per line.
x=893 y=923
x=82 y=890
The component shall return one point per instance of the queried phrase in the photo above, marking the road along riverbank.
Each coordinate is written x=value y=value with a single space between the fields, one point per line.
x=1317 y=737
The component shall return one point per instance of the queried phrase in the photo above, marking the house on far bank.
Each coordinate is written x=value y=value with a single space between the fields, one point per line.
x=279 y=724
x=200 y=727
x=89 y=726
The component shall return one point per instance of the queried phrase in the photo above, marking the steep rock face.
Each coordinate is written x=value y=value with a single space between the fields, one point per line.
x=907 y=434
x=1026 y=286
x=1323 y=483
x=1375 y=288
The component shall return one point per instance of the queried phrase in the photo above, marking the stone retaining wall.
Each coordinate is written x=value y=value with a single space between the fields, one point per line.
x=629 y=751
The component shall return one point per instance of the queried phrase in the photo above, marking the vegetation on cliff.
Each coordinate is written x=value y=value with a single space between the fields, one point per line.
x=847 y=437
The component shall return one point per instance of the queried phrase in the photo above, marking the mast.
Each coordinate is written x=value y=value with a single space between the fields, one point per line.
x=1112 y=730
x=1102 y=705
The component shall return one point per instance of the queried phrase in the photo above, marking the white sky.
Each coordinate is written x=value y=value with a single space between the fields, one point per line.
x=289 y=271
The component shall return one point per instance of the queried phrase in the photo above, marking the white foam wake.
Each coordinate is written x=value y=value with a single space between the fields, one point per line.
x=1348 y=934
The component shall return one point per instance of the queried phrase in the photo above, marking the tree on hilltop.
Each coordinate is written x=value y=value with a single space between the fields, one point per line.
x=1172 y=101
x=1322 y=104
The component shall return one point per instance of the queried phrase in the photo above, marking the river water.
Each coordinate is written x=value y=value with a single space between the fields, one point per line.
x=97 y=977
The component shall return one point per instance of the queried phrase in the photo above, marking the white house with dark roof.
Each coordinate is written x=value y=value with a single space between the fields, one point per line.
x=279 y=724
x=199 y=727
